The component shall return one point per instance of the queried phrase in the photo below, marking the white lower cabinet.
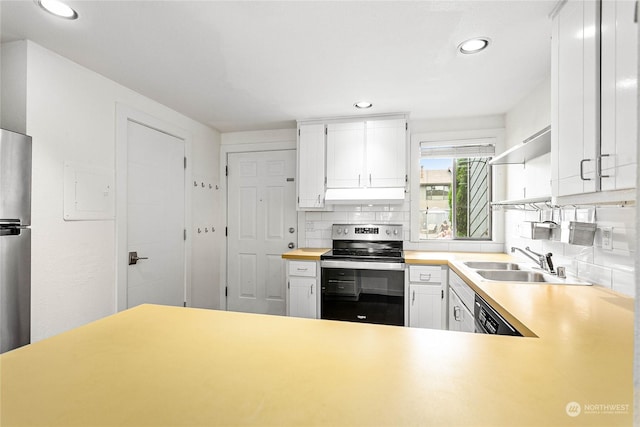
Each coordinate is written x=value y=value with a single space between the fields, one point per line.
x=460 y=309
x=302 y=289
x=302 y=297
x=460 y=318
x=426 y=297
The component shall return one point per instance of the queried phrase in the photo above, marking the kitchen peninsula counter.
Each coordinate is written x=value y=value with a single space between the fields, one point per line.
x=157 y=365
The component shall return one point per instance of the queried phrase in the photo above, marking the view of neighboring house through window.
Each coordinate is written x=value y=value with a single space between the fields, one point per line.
x=455 y=189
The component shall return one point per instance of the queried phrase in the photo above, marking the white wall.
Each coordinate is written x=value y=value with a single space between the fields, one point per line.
x=70 y=113
x=13 y=86
x=610 y=268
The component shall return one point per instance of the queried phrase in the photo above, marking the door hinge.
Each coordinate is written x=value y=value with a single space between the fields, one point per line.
x=406 y=126
x=226 y=171
x=326 y=132
x=288 y=285
x=185 y=162
x=298 y=132
x=184 y=234
x=441 y=293
x=226 y=291
x=298 y=199
x=226 y=231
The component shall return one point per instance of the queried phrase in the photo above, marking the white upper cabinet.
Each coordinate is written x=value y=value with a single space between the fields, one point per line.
x=366 y=154
x=594 y=100
x=345 y=155
x=574 y=91
x=619 y=95
x=386 y=153
x=311 y=165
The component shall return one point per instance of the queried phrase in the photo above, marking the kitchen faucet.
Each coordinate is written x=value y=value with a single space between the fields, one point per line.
x=544 y=261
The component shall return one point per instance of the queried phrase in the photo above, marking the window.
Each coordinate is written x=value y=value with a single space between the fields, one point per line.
x=455 y=189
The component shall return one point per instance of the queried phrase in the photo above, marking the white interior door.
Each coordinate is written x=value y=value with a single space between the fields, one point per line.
x=261 y=222
x=155 y=217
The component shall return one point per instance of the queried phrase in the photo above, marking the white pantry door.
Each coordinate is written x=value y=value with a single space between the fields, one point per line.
x=262 y=221
x=155 y=216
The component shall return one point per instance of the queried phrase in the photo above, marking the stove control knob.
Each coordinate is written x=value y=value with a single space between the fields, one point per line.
x=395 y=232
x=388 y=232
x=346 y=230
x=339 y=230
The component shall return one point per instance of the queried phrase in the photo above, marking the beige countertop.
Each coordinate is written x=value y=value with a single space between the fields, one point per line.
x=155 y=365
x=311 y=254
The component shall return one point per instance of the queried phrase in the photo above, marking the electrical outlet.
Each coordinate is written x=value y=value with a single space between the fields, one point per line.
x=607 y=238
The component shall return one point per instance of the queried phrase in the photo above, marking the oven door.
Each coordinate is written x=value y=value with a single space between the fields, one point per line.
x=359 y=294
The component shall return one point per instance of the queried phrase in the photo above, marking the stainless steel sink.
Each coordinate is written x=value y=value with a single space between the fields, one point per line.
x=487 y=265
x=513 y=276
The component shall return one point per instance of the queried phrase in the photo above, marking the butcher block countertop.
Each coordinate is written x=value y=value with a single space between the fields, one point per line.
x=163 y=366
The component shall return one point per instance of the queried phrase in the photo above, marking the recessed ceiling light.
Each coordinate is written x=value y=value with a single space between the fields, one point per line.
x=57 y=8
x=363 y=104
x=474 y=45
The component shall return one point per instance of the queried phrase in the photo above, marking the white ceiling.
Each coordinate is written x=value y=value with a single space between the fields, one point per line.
x=247 y=65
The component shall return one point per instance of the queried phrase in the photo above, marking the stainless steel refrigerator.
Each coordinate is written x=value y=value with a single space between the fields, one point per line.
x=15 y=240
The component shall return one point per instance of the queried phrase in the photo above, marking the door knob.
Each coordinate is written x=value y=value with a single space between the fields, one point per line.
x=292 y=230
x=291 y=245
x=133 y=258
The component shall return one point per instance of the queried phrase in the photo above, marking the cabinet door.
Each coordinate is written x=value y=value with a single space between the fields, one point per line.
x=311 y=166
x=619 y=95
x=302 y=297
x=575 y=93
x=345 y=155
x=460 y=318
x=425 y=307
x=386 y=153
x=467 y=323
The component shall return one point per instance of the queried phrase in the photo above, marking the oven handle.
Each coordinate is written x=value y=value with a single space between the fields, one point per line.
x=362 y=265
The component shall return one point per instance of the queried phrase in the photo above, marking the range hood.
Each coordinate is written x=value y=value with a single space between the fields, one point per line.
x=352 y=196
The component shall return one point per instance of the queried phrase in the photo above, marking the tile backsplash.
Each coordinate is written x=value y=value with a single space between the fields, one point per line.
x=317 y=225
x=612 y=268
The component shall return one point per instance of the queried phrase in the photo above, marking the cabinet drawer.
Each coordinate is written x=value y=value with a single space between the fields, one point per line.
x=464 y=291
x=302 y=268
x=425 y=274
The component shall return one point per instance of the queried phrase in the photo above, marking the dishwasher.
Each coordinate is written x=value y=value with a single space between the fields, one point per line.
x=489 y=321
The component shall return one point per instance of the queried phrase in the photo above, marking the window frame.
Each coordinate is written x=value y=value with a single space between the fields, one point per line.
x=496 y=191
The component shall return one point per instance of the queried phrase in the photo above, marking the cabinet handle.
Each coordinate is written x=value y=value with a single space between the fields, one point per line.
x=599 y=166
x=413 y=297
x=301 y=269
x=318 y=200
x=456 y=313
x=425 y=277
x=358 y=180
x=312 y=289
x=369 y=180
x=582 y=169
